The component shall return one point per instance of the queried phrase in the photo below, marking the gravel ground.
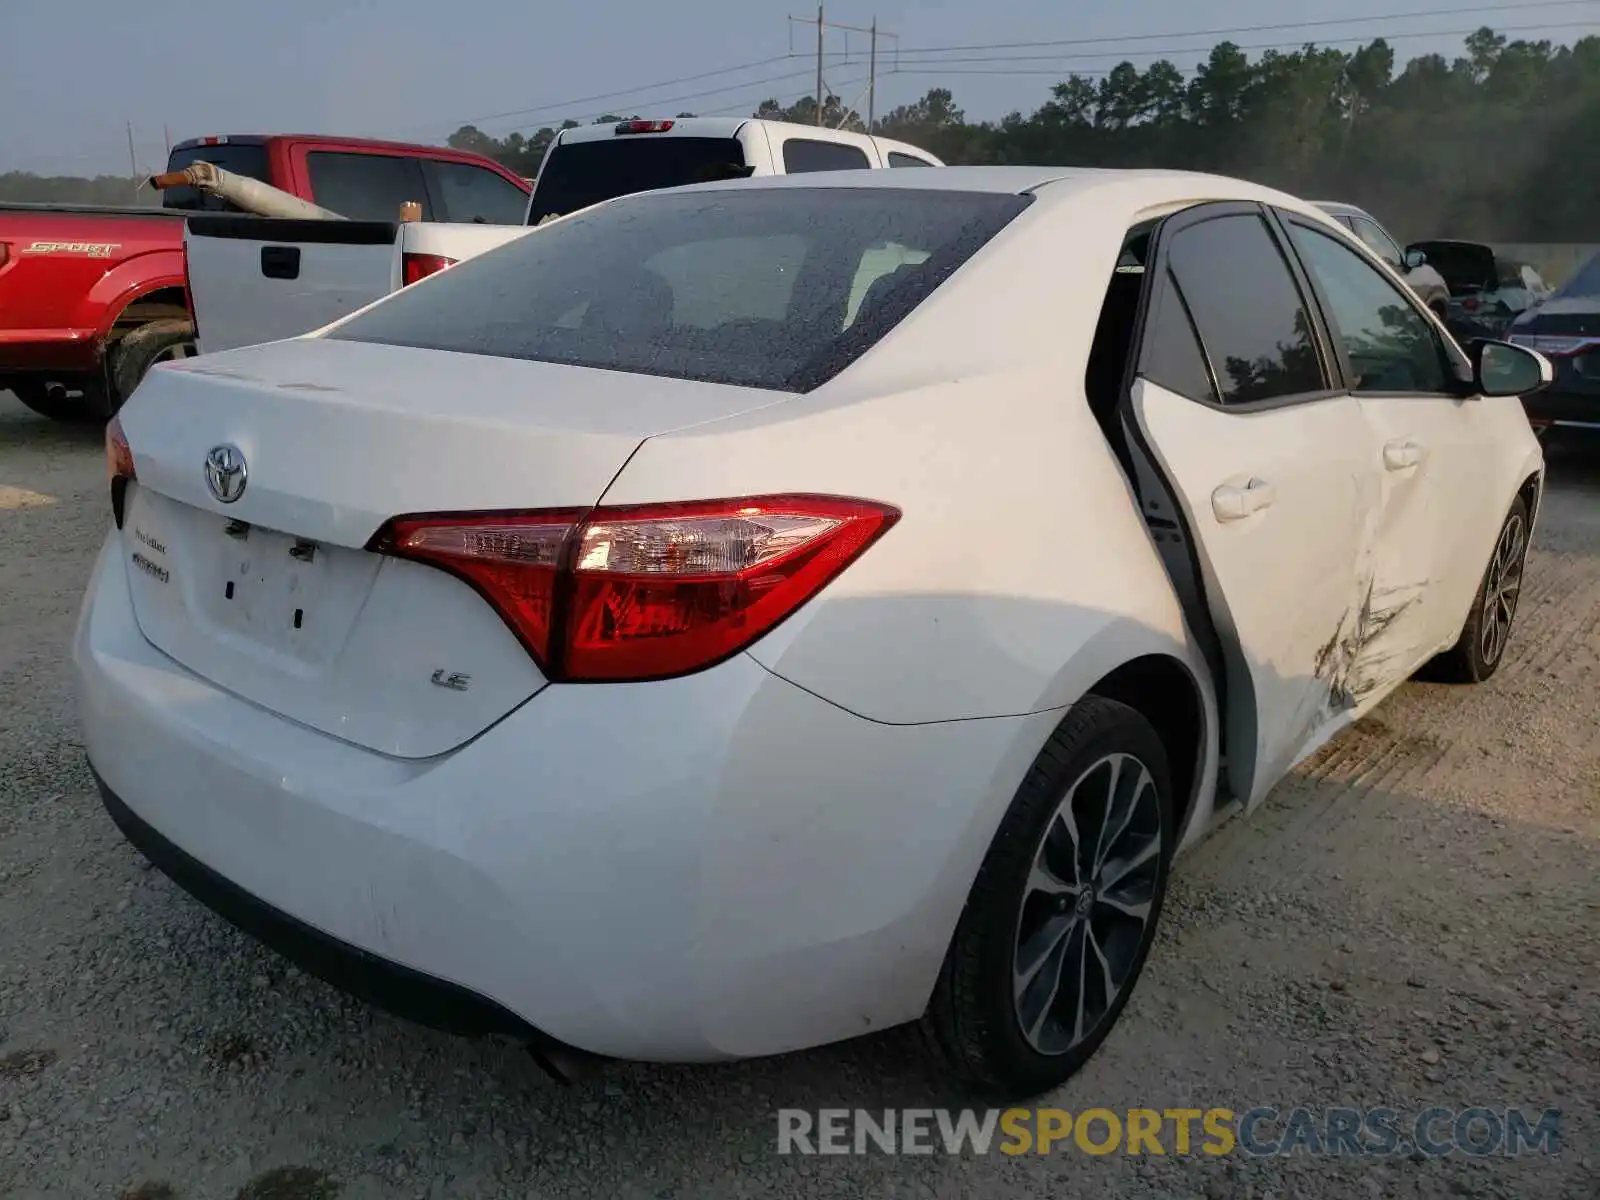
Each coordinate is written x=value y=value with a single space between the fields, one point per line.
x=1410 y=920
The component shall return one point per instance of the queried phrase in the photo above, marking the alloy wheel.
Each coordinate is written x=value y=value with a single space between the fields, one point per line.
x=1501 y=589
x=1087 y=904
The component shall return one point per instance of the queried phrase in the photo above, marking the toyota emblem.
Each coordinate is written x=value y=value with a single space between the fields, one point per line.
x=226 y=473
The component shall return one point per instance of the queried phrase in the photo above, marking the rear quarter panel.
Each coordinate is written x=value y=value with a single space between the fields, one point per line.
x=1021 y=570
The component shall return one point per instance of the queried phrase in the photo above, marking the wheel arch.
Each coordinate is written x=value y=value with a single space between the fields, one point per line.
x=1165 y=691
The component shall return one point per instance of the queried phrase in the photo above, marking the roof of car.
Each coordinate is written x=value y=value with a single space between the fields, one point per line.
x=1152 y=185
x=1339 y=207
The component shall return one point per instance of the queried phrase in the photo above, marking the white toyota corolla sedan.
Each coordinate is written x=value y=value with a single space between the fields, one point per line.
x=739 y=618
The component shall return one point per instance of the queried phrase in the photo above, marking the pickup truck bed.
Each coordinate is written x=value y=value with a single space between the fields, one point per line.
x=255 y=279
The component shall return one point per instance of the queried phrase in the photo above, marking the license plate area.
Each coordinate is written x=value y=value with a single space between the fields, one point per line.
x=281 y=599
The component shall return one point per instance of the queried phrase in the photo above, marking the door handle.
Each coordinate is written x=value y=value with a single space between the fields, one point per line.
x=1235 y=502
x=1402 y=453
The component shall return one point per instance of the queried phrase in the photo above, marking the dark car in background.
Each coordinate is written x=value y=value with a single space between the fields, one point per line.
x=1487 y=290
x=1565 y=328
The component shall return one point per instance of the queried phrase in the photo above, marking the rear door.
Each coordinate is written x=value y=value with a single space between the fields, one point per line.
x=1270 y=466
x=255 y=279
x=1428 y=430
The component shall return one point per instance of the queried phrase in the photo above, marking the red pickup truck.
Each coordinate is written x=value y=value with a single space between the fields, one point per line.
x=90 y=297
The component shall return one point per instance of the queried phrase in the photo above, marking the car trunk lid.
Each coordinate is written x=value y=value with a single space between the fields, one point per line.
x=273 y=595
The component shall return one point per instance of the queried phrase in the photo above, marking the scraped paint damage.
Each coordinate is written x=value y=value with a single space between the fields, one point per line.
x=1358 y=659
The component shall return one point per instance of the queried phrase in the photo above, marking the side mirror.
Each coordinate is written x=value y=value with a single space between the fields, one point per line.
x=1502 y=369
x=1415 y=259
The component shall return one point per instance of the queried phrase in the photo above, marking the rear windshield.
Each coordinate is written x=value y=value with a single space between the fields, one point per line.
x=579 y=174
x=234 y=157
x=777 y=288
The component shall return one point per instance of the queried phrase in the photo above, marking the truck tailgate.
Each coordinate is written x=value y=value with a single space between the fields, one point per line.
x=259 y=279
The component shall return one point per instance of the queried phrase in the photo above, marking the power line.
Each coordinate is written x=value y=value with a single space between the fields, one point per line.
x=917 y=56
x=1162 y=51
x=1318 y=24
x=648 y=87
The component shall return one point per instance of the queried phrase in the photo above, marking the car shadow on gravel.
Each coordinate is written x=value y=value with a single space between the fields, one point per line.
x=21 y=427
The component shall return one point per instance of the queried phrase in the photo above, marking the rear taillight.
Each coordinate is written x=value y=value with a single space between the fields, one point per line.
x=645 y=592
x=1470 y=304
x=188 y=292
x=419 y=266
x=119 y=466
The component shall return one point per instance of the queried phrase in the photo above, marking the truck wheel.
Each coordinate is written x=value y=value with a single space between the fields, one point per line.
x=136 y=353
x=55 y=402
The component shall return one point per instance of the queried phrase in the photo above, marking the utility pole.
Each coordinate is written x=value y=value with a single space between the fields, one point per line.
x=873 y=32
x=133 y=164
x=166 y=132
x=872 y=77
x=821 y=25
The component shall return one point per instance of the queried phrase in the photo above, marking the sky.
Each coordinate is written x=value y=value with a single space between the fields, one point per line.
x=73 y=73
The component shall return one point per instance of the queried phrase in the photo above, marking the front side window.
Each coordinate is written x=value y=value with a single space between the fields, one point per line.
x=1246 y=305
x=805 y=154
x=1392 y=347
x=777 y=288
x=1379 y=242
x=366 y=187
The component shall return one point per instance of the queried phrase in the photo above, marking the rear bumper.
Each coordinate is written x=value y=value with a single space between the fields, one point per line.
x=49 y=353
x=711 y=867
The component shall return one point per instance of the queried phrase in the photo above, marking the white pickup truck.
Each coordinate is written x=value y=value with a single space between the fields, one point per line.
x=258 y=279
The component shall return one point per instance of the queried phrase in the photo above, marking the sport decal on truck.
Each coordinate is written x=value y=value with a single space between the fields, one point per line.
x=87 y=249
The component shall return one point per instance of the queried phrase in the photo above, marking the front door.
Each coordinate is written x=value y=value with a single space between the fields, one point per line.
x=1271 y=465
x=1425 y=425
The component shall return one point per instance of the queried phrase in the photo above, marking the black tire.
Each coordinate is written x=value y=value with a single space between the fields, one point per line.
x=141 y=349
x=80 y=408
x=1476 y=656
x=973 y=1022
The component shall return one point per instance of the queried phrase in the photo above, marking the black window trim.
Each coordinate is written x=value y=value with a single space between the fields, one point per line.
x=1156 y=271
x=1325 y=318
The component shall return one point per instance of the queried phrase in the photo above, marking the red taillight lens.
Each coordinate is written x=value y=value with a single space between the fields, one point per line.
x=419 y=266
x=513 y=561
x=119 y=466
x=642 y=127
x=647 y=592
x=1470 y=304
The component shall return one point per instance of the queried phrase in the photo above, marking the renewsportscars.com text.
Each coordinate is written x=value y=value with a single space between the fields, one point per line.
x=1257 y=1132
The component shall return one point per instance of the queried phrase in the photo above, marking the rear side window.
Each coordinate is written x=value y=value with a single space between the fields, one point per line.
x=578 y=174
x=897 y=159
x=247 y=160
x=778 y=288
x=805 y=154
x=476 y=194
x=1379 y=242
x=366 y=187
x=1248 y=309
x=1172 y=356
